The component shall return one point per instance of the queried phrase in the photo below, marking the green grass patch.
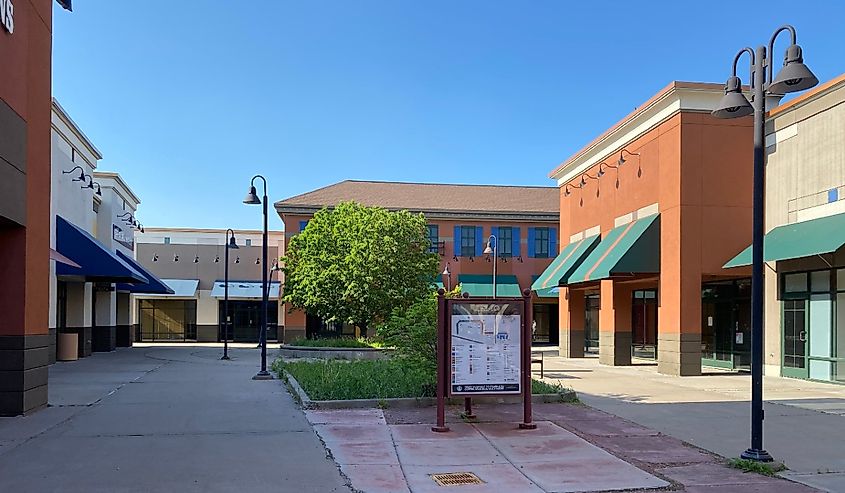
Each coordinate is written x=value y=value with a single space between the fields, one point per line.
x=764 y=468
x=362 y=379
x=371 y=379
x=341 y=342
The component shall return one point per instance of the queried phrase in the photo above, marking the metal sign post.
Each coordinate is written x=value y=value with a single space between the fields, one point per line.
x=483 y=348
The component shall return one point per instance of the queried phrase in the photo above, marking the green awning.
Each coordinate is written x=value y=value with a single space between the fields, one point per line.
x=482 y=285
x=544 y=292
x=804 y=239
x=565 y=264
x=632 y=248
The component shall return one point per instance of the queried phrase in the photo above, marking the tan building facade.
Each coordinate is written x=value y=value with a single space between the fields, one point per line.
x=192 y=262
x=805 y=225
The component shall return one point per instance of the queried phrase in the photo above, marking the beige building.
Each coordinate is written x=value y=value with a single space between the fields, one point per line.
x=192 y=263
x=805 y=225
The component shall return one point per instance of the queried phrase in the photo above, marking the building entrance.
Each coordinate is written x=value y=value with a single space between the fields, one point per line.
x=245 y=316
x=726 y=324
x=591 y=323
x=644 y=324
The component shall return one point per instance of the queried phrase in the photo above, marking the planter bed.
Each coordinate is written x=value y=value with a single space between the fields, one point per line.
x=566 y=395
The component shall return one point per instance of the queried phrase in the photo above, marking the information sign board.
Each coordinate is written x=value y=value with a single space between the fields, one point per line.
x=485 y=347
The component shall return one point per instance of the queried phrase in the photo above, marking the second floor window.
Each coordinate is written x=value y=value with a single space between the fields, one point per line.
x=541 y=242
x=505 y=245
x=433 y=233
x=468 y=241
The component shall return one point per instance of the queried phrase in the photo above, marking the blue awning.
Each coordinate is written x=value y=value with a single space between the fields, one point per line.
x=97 y=263
x=154 y=285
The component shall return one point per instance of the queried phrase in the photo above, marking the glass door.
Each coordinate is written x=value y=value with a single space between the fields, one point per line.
x=644 y=324
x=795 y=339
x=591 y=323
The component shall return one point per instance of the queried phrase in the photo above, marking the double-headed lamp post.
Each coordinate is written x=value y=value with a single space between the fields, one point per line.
x=493 y=247
x=230 y=243
x=252 y=199
x=794 y=76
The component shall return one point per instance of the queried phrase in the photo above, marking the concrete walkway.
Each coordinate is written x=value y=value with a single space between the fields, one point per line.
x=164 y=419
x=804 y=426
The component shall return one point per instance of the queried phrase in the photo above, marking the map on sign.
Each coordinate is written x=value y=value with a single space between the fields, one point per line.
x=485 y=349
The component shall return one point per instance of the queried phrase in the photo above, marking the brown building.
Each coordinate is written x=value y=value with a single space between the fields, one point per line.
x=25 y=55
x=650 y=211
x=461 y=219
x=192 y=263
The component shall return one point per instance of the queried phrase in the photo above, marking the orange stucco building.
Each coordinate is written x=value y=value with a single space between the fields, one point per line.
x=650 y=211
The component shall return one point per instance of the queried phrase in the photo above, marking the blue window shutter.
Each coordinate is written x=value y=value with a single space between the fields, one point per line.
x=495 y=232
x=302 y=225
x=832 y=195
x=457 y=241
x=479 y=241
x=530 y=242
x=516 y=249
x=552 y=242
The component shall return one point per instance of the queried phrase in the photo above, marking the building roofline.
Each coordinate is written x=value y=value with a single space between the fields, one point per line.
x=284 y=202
x=120 y=181
x=807 y=96
x=663 y=99
x=78 y=131
x=649 y=103
x=152 y=229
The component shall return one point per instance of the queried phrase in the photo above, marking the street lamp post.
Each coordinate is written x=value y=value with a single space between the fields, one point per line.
x=228 y=244
x=493 y=247
x=448 y=273
x=252 y=199
x=273 y=270
x=794 y=76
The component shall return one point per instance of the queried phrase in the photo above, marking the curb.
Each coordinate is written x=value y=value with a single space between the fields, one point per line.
x=412 y=402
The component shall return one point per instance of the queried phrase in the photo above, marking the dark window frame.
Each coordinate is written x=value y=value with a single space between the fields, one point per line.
x=433 y=239
x=468 y=241
x=541 y=242
x=505 y=246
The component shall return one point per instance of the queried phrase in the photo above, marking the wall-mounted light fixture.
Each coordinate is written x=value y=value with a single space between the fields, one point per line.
x=81 y=173
x=197 y=259
x=155 y=257
x=176 y=258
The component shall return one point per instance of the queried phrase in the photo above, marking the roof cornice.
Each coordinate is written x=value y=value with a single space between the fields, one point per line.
x=65 y=117
x=527 y=216
x=672 y=99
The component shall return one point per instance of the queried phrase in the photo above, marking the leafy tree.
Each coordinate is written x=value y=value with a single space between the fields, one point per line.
x=357 y=264
x=413 y=332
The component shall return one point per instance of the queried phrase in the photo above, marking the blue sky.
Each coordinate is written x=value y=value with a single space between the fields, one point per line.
x=188 y=99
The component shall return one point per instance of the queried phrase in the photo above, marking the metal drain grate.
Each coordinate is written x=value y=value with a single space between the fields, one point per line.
x=456 y=479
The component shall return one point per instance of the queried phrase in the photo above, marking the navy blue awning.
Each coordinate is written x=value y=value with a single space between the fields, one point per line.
x=96 y=261
x=154 y=285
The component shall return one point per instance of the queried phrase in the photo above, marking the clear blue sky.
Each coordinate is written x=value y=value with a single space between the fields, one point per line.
x=188 y=99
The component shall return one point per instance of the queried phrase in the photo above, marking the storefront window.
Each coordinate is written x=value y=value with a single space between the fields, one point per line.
x=795 y=283
x=168 y=320
x=726 y=324
x=814 y=325
x=820 y=281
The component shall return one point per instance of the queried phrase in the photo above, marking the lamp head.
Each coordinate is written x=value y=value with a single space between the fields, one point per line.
x=733 y=104
x=794 y=76
x=99 y=191
x=489 y=249
x=252 y=197
x=232 y=244
x=446 y=271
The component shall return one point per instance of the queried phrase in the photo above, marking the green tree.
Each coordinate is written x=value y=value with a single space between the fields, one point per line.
x=413 y=332
x=357 y=264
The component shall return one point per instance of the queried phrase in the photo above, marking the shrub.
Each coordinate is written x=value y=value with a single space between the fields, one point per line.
x=413 y=332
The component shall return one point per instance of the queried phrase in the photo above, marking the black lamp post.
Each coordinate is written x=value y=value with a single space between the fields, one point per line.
x=493 y=248
x=794 y=76
x=273 y=270
x=252 y=199
x=228 y=244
